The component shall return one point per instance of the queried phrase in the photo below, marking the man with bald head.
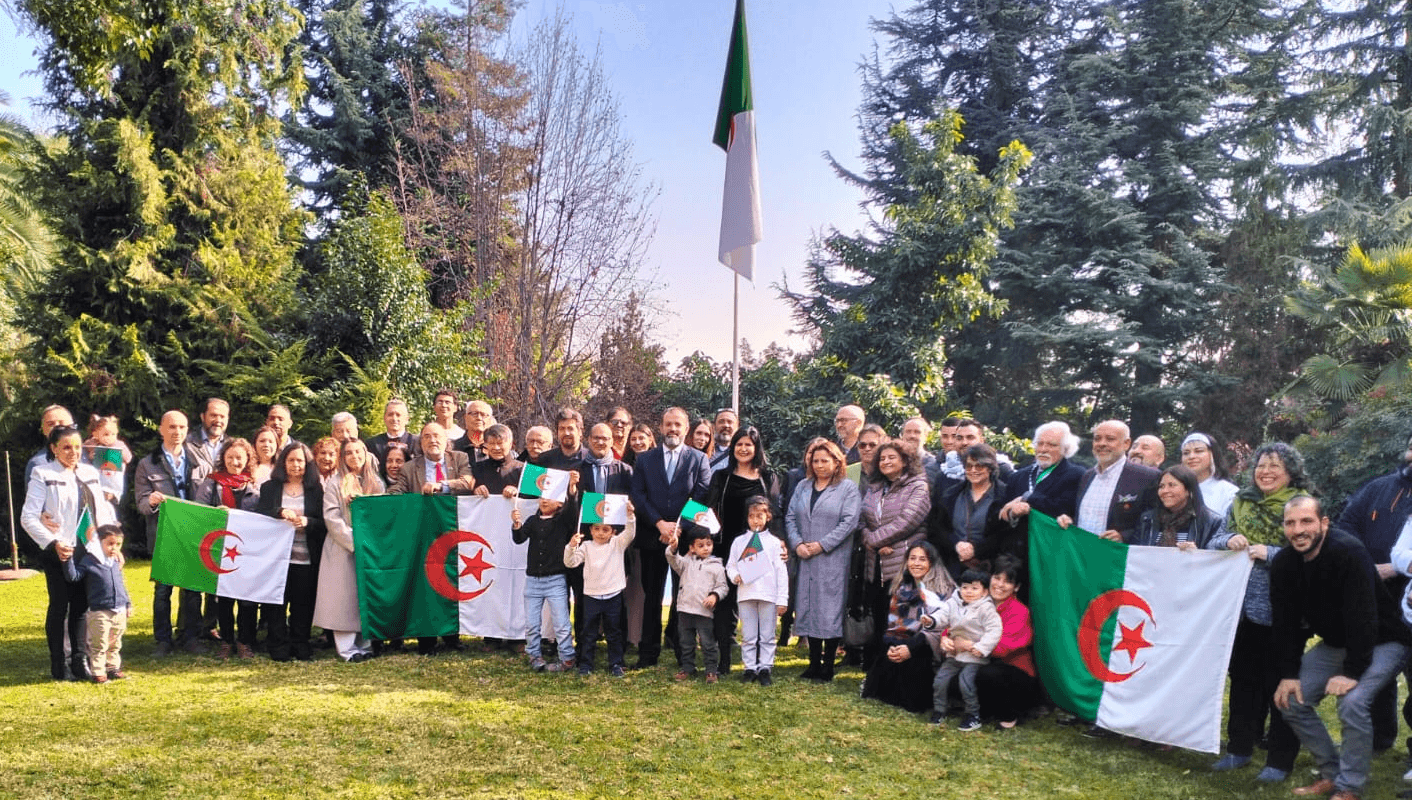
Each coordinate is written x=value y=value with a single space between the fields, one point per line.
x=915 y=432
x=1115 y=492
x=848 y=423
x=172 y=470
x=1149 y=451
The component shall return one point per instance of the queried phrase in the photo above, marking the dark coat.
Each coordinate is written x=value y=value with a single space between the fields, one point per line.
x=1055 y=495
x=619 y=479
x=999 y=536
x=1205 y=527
x=1136 y=492
x=655 y=498
x=314 y=531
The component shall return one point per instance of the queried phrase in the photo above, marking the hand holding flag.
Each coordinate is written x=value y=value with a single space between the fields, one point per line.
x=701 y=515
x=550 y=484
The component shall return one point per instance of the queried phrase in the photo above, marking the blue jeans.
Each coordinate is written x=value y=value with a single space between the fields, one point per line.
x=941 y=686
x=554 y=590
x=188 y=614
x=1349 y=769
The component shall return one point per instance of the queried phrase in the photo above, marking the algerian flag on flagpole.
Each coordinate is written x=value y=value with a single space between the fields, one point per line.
x=1136 y=639
x=436 y=565
x=222 y=551
x=610 y=509
x=701 y=515
x=552 y=484
x=735 y=134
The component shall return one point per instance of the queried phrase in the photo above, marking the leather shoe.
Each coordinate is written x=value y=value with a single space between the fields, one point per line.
x=1323 y=786
x=1345 y=795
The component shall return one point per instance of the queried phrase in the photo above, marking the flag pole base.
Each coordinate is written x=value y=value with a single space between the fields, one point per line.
x=16 y=574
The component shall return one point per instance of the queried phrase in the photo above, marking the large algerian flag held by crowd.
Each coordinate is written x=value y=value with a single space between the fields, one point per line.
x=437 y=565
x=222 y=551
x=1135 y=638
x=735 y=134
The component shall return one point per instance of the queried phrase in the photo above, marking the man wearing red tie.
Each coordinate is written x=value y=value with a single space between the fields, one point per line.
x=437 y=470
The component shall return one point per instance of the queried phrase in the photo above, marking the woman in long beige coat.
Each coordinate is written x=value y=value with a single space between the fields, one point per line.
x=337 y=606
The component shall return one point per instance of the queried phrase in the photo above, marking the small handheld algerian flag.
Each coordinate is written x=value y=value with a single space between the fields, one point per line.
x=86 y=534
x=609 y=509
x=551 y=484
x=1136 y=639
x=222 y=551
x=109 y=461
x=701 y=515
x=755 y=546
x=735 y=134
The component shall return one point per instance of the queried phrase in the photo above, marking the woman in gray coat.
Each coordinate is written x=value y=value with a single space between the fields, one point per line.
x=823 y=514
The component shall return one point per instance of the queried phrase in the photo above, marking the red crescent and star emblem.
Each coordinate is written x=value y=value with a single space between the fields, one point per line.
x=204 y=549
x=1131 y=640
x=602 y=509
x=542 y=481
x=475 y=566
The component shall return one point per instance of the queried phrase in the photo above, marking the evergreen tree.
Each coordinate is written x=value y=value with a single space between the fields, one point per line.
x=884 y=303
x=355 y=62
x=178 y=227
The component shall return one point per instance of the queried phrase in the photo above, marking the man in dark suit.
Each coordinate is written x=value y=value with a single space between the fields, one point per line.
x=394 y=422
x=1115 y=492
x=172 y=470
x=478 y=418
x=663 y=480
x=1049 y=485
x=568 y=431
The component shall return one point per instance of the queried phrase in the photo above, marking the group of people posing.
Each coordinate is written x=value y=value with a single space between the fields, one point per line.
x=912 y=562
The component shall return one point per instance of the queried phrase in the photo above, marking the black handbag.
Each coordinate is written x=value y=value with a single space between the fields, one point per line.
x=858 y=622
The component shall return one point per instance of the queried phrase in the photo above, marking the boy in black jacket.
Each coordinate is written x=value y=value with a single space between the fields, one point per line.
x=545 y=581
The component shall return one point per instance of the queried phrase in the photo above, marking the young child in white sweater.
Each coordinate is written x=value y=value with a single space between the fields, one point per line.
x=762 y=598
x=604 y=580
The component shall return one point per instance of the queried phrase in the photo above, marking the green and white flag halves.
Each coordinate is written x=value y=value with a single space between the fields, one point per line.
x=551 y=484
x=222 y=551
x=1136 y=639
x=735 y=134
x=609 y=509
x=436 y=565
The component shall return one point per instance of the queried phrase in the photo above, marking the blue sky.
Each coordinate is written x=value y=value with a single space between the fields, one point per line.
x=665 y=60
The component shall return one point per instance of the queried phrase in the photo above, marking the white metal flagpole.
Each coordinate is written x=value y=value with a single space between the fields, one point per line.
x=735 y=345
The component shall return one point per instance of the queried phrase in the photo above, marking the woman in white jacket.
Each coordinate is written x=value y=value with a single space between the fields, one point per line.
x=59 y=491
x=336 y=607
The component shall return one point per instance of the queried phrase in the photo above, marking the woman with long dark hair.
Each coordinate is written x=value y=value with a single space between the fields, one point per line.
x=902 y=675
x=745 y=475
x=293 y=493
x=1179 y=517
x=60 y=490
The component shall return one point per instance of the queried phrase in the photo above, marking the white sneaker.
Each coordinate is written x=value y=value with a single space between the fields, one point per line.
x=1407 y=776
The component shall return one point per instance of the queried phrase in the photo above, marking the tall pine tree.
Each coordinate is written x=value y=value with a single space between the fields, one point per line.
x=177 y=222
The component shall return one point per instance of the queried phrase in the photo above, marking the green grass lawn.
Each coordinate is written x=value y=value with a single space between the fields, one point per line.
x=483 y=725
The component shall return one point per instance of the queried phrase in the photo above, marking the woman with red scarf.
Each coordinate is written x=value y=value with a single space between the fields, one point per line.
x=232 y=485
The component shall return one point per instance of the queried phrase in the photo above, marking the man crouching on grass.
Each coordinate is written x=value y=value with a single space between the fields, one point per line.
x=1325 y=582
